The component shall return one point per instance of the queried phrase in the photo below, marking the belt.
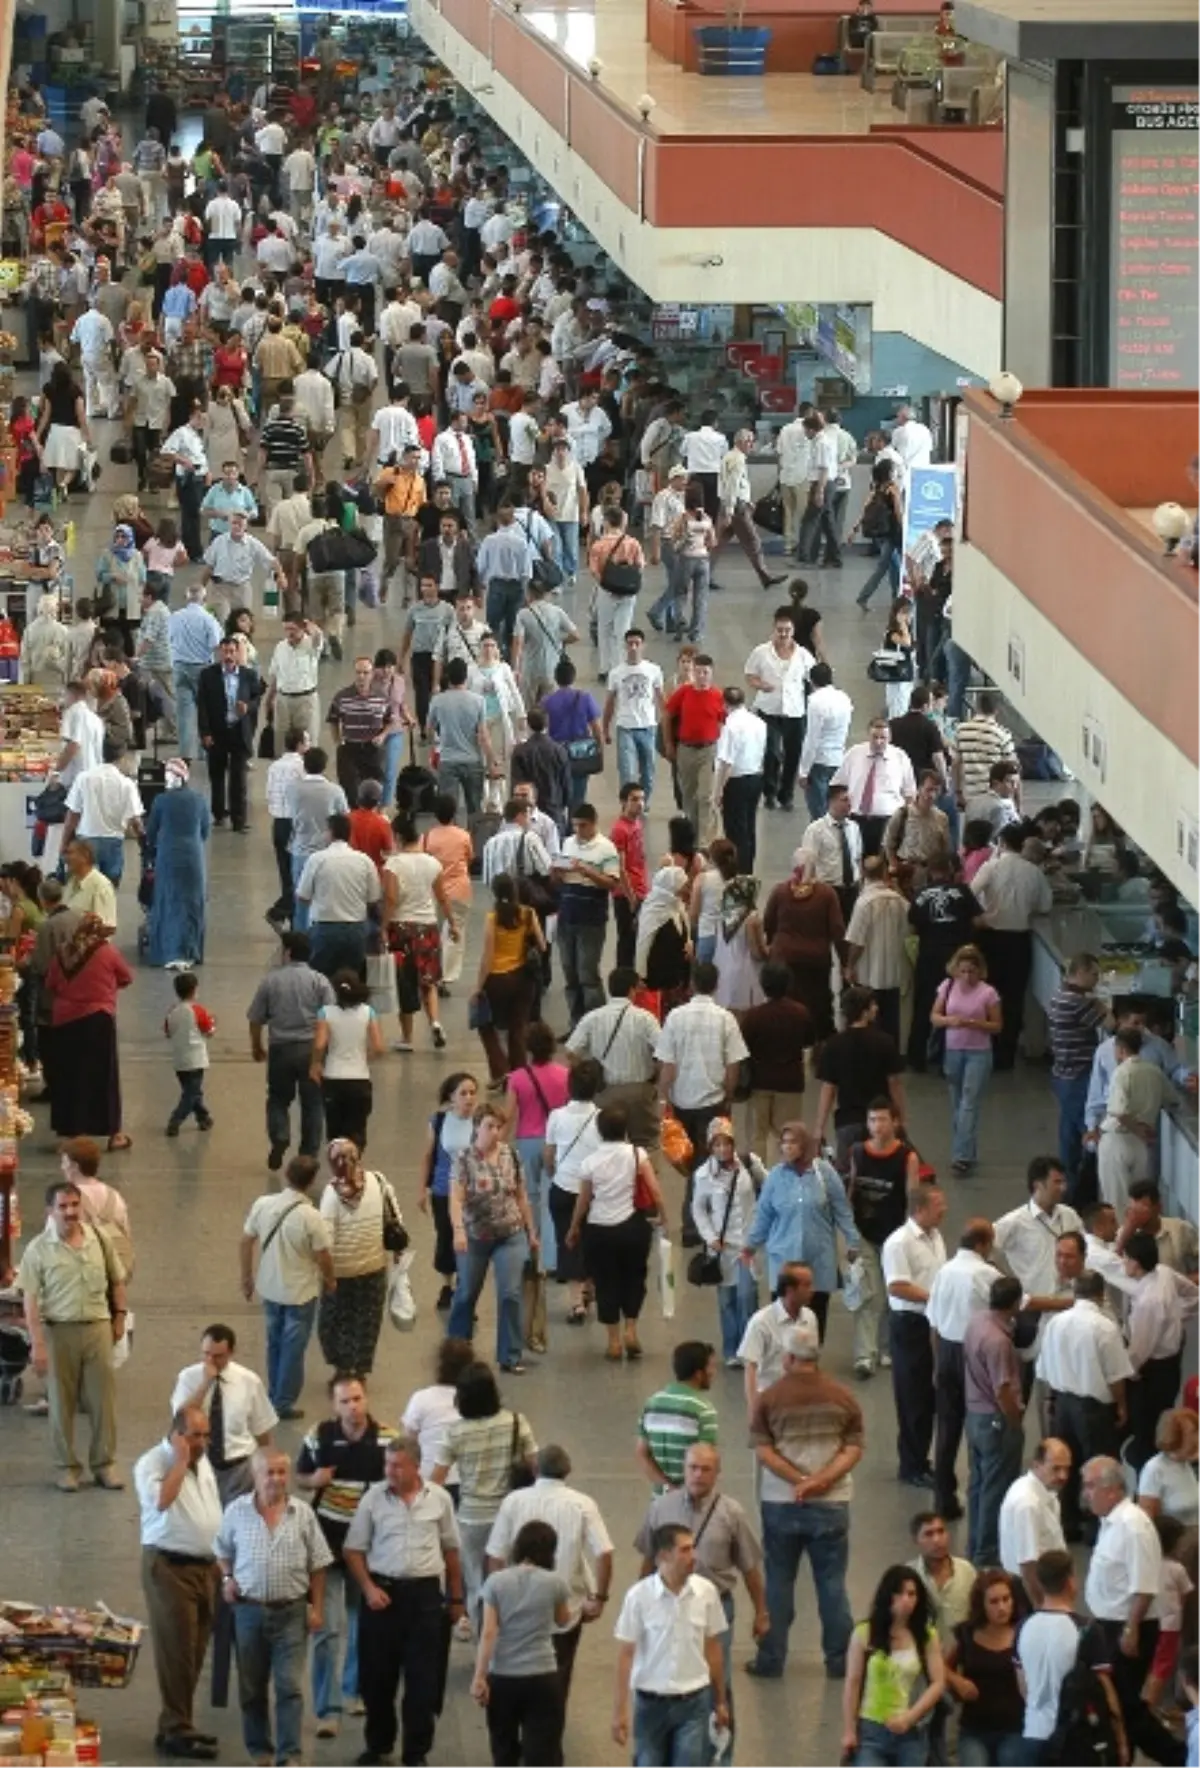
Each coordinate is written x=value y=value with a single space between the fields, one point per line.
x=686 y=745
x=182 y=1558
x=224 y=1466
x=300 y=694
x=287 y=1602
x=386 y=1580
x=651 y=1694
x=102 y=1321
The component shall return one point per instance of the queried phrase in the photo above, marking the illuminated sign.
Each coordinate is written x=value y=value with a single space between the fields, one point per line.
x=1154 y=267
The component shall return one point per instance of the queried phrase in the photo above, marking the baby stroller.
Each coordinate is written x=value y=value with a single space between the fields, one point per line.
x=14 y=1348
x=145 y=896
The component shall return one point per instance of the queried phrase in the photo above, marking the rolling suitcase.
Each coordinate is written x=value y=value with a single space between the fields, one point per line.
x=416 y=786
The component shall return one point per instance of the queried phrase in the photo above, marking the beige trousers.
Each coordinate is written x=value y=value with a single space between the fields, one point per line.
x=80 y=1379
x=795 y=501
x=695 y=769
x=766 y=1116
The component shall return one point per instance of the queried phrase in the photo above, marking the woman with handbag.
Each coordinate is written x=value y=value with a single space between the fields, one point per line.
x=617 y=562
x=618 y=1192
x=967 y=1011
x=509 y=978
x=535 y=1089
x=571 y=1135
x=800 y=1211
x=493 y=1226
x=345 y=1037
x=365 y=1228
x=723 y=1199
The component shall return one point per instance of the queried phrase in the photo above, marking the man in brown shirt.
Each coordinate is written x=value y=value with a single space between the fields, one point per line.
x=807 y=1432
x=992 y=1382
x=777 y=1033
x=277 y=360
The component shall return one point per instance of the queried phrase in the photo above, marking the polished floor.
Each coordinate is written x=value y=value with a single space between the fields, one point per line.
x=188 y=1198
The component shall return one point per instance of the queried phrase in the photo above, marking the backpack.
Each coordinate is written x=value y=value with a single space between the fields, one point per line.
x=1083 y=1726
x=877 y=517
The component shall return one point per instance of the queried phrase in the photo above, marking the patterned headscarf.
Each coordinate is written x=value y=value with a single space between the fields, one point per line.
x=83 y=944
x=177 y=771
x=738 y=902
x=346 y=1163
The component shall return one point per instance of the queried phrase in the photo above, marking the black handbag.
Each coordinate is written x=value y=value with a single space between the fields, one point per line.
x=338 y=549
x=266 y=742
x=620 y=577
x=586 y=753
x=395 y=1234
x=704 y=1268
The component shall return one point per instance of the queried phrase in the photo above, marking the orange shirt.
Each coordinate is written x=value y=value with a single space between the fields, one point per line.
x=452 y=845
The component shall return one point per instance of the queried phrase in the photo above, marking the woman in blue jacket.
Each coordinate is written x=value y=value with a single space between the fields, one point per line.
x=800 y=1210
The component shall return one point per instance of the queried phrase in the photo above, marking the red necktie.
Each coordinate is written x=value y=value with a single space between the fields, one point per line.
x=868 y=797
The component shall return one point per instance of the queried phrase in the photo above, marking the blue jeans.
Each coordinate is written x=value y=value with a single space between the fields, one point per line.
x=736 y=1302
x=453 y=774
x=568 y=542
x=504 y=598
x=393 y=760
x=508 y=1259
x=664 y=612
x=191 y=1097
x=636 y=758
x=816 y=792
x=706 y=945
x=580 y=949
x=187 y=675
x=108 y=851
x=982 y=1749
x=671 y=1733
x=994 y=1447
x=823 y=1530
x=532 y=1150
x=887 y=565
x=880 y=1748
x=1072 y=1097
x=694 y=575
x=339 y=1621
x=967 y=1072
x=289 y=1328
x=271 y=1644
x=958 y=676
x=949 y=803
x=301 y=911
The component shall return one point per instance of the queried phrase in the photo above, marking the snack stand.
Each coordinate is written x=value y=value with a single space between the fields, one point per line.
x=46 y=1655
x=29 y=745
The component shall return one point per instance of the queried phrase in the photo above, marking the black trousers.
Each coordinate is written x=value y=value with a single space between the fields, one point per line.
x=566 y=1645
x=1088 y=1427
x=347 y=1108
x=1153 y=1393
x=739 y=812
x=709 y=484
x=616 y=1260
x=781 y=763
x=190 y=488
x=146 y=444
x=422 y=674
x=912 y=1386
x=950 y=1407
x=525 y=1718
x=1010 y=959
x=227 y=777
x=817 y=524
x=871 y=828
x=356 y=762
x=888 y=1017
x=625 y=916
x=1144 y=1731
x=444 y=1261
x=928 y=976
x=403 y=1639
x=281 y=834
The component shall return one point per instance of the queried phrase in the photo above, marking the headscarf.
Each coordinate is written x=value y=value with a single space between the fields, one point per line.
x=739 y=899
x=126 y=509
x=803 y=864
x=123 y=542
x=176 y=771
x=48 y=608
x=103 y=683
x=720 y=1126
x=661 y=908
x=83 y=944
x=348 y=1175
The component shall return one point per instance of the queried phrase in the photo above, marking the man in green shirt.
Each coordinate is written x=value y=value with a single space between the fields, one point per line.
x=678 y=1415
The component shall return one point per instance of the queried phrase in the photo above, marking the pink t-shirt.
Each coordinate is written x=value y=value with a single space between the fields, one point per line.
x=968 y=1003
x=971 y=862
x=531 y=1111
x=164 y=558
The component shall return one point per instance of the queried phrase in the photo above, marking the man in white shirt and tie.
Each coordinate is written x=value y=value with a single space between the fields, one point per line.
x=670 y=1671
x=738 y=776
x=453 y=460
x=911 y=1260
x=1084 y=1363
x=234 y=1401
x=180 y=1517
x=836 y=844
x=960 y=1289
x=880 y=778
x=827 y=725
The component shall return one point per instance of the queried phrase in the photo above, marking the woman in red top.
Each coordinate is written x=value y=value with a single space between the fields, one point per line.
x=23 y=430
x=82 y=1054
x=230 y=363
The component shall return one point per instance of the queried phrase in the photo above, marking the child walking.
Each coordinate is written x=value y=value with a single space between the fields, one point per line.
x=189 y=1026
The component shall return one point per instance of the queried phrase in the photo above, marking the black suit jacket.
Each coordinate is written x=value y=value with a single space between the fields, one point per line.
x=544 y=764
x=211 y=710
x=429 y=562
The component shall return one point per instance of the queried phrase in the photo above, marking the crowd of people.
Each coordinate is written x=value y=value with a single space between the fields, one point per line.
x=338 y=276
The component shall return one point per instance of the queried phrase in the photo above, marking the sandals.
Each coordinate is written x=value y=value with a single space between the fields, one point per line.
x=577 y=1315
x=118 y=1143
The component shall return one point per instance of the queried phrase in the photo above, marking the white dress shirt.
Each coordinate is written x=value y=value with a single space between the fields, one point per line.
x=280 y=776
x=105 y=800
x=961 y=1288
x=1026 y=1239
x=1010 y=890
x=823 y=839
x=248 y=1412
x=702 y=1040
x=822 y=458
x=1030 y=1523
x=188 y=444
x=578 y=1524
x=794 y=449
x=340 y=883
x=786 y=677
x=829 y=714
x=704 y=450
x=453 y=456
x=588 y=430
x=894 y=780
x=742 y=743
x=404 y=1539
x=190 y=1523
x=763 y=1340
x=1081 y=1352
x=1126 y=1562
x=913 y=442
x=912 y=1255
x=669 y=1633
x=223 y=218
x=294 y=667
x=1161 y=1303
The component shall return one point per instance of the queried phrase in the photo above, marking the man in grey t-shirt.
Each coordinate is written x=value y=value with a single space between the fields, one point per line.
x=312 y=800
x=285 y=1005
x=460 y=736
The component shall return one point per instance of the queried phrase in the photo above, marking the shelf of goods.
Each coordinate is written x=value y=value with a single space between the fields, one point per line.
x=46 y=1654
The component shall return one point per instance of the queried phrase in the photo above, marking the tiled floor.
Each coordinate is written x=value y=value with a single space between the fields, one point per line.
x=188 y=1198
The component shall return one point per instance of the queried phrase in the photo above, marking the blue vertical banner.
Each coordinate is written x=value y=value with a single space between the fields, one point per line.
x=932 y=498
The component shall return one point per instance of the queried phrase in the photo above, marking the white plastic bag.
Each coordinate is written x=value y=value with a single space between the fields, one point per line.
x=854 y=1286
x=665 y=1258
x=123 y=1345
x=402 y=1306
x=381 y=983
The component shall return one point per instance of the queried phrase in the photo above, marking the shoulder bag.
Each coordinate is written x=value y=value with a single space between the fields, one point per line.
x=704 y=1268
x=536 y=892
x=935 y=1043
x=584 y=753
x=282 y=1217
x=643 y=1197
x=620 y=576
x=395 y=1234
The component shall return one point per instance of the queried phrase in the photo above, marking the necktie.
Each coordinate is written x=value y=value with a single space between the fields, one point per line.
x=868 y=796
x=463 y=468
x=216 y=1426
x=847 y=859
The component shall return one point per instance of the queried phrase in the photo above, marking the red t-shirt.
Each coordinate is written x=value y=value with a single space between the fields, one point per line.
x=700 y=711
x=503 y=308
x=629 y=839
x=370 y=833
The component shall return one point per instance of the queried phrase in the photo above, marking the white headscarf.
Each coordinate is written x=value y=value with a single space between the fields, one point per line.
x=661 y=908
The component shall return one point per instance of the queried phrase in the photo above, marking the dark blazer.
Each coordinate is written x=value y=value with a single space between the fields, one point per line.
x=429 y=562
x=544 y=764
x=211 y=708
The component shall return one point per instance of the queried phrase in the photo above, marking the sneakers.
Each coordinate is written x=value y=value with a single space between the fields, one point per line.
x=403 y=1046
x=439 y=1036
x=329 y=1726
x=172 y=1129
x=864 y=1368
x=275 y=1157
